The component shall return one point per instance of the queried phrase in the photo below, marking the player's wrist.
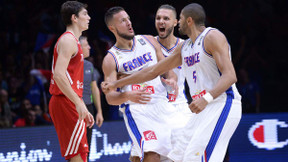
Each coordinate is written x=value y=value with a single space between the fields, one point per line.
x=208 y=97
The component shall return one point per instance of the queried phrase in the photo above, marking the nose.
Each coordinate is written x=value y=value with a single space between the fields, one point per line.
x=129 y=23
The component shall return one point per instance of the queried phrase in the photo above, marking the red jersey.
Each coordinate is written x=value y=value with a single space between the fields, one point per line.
x=74 y=72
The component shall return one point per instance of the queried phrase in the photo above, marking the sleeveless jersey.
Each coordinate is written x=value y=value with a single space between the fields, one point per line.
x=201 y=70
x=74 y=71
x=141 y=55
x=181 y=98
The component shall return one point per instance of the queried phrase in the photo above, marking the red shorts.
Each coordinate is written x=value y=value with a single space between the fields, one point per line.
x=71 y=131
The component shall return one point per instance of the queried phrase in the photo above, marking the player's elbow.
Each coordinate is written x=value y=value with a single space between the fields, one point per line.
x=57 y=76
x=233 y=79
x=111 y=100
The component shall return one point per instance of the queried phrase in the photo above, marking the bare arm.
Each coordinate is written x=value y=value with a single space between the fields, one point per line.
x=97 y=103
x=169 y=74
x=112 y=96
x=216 y=44
x=67 y=46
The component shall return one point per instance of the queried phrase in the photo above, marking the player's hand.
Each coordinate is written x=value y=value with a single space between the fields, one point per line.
x=99 y=119
x=171 y=83
x=198 y=105
x=89 y=120
x=83 y=113
x=139 y=96
x=82 y=110
x=107 y=86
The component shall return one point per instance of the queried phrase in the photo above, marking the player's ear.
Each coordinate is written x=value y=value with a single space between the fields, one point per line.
x=189 y=21
x=175 y=22
x=111 y=28
x=73 y=18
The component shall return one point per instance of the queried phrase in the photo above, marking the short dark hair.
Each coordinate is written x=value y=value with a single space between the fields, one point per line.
x=169 y=7
x=69 y=8
x=111 y=12
x=82 y=37
x=196 y=12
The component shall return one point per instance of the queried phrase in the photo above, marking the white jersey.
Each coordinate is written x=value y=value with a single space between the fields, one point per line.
x=141 y=55
x=181 y=98
x=201 y=70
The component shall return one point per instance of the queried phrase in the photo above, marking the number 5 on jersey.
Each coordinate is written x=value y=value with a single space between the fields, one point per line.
x=194 y=76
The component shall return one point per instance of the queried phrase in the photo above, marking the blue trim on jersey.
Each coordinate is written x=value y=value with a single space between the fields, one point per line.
x=117 y=65
x=125 y=50
x=220 y=124
x=185 y=41
x=184 y=92
x=148 y=41
x=208 y=54
x=134 y=128
x=168 y=50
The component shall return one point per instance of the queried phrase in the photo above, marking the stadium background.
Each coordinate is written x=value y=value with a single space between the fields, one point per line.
x=255 y=29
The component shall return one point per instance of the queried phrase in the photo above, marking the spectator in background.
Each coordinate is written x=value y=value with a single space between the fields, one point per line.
x=5 y=112
x=28 y=119
x=15 y=95
x=35 y=92
x=249 y=91
x=42 y=118
x=3 y=83
x=91 y=93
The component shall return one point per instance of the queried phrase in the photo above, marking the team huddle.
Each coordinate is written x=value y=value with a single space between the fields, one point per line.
x=145 y=75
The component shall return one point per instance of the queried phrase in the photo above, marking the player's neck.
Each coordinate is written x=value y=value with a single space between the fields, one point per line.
x=195 y=32
x=74 y=30
x=168 y=42
x=124 y=43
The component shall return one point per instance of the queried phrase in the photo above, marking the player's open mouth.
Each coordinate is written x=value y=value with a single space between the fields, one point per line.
x=162 y=29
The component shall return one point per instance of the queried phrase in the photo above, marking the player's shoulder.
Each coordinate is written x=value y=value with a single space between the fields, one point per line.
x=152 y=40
x=109 y=58
x=215 y=35
x=67 y=38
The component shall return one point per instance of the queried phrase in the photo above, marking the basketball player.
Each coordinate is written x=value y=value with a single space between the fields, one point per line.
x=146 y=110
x=206 y=60
x=91 y=93
x=68 y=111
x=165 y=21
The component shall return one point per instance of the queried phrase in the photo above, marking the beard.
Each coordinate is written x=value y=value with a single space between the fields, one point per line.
x=125 y=36
x=182 y=30
x=169 y=31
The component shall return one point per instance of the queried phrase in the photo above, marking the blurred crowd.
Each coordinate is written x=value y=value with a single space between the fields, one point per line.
x=256 y=31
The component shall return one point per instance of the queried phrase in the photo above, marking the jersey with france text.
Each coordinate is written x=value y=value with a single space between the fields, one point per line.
x=141 y=55
x=74 y=72
x=181 y=98
x=201 y=70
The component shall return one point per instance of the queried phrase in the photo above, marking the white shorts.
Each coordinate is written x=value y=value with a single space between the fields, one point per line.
x=148 y=127
x=207 y=134
x=175 y=121
x=185 y=114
